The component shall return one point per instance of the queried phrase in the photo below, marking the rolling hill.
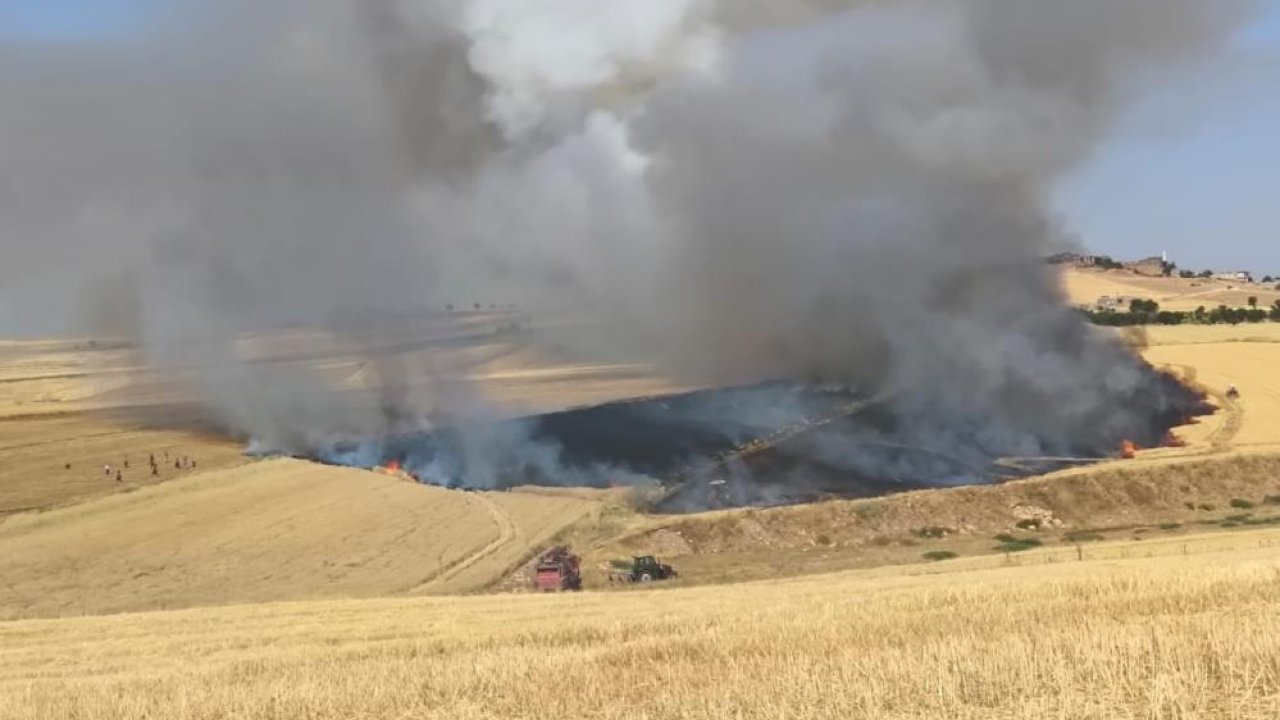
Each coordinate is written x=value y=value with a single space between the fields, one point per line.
x=1084 y=286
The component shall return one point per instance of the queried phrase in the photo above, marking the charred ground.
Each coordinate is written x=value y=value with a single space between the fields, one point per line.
x=766 y=444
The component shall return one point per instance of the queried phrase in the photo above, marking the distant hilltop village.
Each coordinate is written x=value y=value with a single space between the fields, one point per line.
x=1154 y=266
x=1154 y=290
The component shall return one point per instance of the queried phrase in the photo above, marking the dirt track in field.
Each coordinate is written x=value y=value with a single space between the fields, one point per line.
x=270 y=530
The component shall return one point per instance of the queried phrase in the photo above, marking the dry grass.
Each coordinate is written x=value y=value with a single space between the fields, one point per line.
x=526 y=524
x=273 y=530
x=36 y=451
x=1195 y=353
x=736 y=545
x=1173 y=636
x=1193 y=334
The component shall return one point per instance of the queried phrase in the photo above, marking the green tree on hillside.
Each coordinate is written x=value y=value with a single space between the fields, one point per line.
x=1253 y=301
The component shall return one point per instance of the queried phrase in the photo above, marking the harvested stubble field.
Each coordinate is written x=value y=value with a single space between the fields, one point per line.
x=88 y=404
x=1179 y=626
x=518 y=371
x=272 y=530
x=35 y=452
x=75 y=540
x=1194 y=635
x=1218 y=356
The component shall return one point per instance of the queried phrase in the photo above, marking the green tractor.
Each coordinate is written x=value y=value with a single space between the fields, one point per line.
x=646 y=568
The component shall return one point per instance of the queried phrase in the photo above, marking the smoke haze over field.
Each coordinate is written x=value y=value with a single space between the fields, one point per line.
x=853 y=191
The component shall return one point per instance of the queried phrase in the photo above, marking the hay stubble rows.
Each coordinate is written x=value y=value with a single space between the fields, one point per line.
x=1184 y=627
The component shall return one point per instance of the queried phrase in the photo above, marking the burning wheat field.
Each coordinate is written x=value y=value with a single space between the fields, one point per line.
x=765 y=444
x=835 y=215
x=564 y=274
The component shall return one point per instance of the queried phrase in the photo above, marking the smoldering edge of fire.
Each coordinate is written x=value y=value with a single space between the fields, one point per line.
x=767 y=443
x=848 y=191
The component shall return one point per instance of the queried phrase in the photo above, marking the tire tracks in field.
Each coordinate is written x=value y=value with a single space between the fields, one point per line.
x=1220 y=440
x=508 y=533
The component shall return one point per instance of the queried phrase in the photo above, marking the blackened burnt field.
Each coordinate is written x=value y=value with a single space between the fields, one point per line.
x=766 y=444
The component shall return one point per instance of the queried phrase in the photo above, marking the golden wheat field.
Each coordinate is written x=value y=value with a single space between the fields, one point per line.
x=1215 y=357
x=284 y=589
x=1083 y=286
x=271 y=530
x=1189 y=632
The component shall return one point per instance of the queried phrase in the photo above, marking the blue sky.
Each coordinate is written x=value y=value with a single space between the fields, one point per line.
x=73 y=20
x=1193 y=170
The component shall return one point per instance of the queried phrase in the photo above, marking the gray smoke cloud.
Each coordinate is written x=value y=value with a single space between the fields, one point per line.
x=837 y=190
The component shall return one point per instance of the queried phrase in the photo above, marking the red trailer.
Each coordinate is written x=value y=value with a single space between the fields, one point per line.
x=558 y=569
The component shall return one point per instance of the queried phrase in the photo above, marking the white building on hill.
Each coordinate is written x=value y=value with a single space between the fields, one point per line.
x=1237 y=276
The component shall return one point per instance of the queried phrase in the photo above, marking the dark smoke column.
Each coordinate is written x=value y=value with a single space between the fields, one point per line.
x=851 y=191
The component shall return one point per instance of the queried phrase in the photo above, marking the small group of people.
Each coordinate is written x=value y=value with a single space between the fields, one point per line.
x=106 y=470
x=181 y=462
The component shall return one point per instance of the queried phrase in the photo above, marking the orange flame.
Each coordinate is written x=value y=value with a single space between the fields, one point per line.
x=393 y=465
x=1127 y=449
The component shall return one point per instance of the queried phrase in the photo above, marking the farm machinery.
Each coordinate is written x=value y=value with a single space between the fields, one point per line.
x=644 y=569
x=558 y=569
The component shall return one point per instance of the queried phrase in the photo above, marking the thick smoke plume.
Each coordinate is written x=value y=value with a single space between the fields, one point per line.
x=851 y=191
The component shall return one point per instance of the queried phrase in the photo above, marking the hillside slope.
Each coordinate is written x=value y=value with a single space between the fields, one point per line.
x=56 y=460
x=272 y=530
x=1083 y=286
x=1231 y=455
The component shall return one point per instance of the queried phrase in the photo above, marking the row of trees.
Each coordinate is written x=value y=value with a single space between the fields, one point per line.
x=1148 y=312
x=1107 y=263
